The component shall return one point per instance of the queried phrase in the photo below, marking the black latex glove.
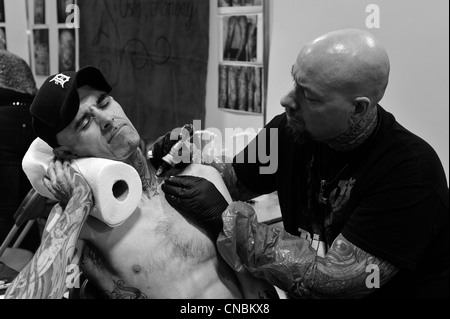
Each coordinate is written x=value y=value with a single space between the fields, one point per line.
x=164 y=144
x=197 y=199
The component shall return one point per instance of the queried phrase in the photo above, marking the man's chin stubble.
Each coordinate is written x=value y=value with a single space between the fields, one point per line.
x=298 y=133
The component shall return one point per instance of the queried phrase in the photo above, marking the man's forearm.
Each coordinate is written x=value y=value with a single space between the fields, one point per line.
x=263 y=250
x=291 y=263
x=45 y=275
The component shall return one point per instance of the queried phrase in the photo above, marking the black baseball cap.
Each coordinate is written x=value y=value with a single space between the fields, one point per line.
x=57 y=102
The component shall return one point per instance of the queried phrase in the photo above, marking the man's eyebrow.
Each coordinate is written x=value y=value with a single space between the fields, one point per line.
x=101 y=98
x=292 y=72
x=307 y=90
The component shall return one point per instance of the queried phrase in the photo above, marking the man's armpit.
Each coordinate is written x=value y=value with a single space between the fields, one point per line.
x=91 y=257
x=346 y=272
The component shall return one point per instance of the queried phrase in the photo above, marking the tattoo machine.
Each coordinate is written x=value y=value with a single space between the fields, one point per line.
x=169 y=160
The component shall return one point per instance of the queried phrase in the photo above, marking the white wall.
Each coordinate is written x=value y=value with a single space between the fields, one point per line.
x=416 y=36
x=16 y=28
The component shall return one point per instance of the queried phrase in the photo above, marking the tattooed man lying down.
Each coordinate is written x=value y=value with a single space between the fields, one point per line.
x=156 y=253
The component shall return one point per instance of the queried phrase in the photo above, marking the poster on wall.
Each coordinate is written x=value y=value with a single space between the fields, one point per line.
x=240 y=88
x=3 y=38
x=41 y=52
x=241 y=38
x=241 y=60
x=244 y=6
x=239 y=3
x=66 y=50
x=61 y=7
x=39 y=11
x=2 y=11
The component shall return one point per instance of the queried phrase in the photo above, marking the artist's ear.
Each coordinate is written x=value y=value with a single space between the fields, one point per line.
x=64 y=153
x=361 y=106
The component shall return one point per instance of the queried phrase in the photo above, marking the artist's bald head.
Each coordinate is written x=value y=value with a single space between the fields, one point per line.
x=350 y=60
x=339 y=78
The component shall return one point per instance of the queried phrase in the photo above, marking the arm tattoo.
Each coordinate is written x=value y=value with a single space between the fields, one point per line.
x=291 y=263
x=343 y=273
x=45 y=275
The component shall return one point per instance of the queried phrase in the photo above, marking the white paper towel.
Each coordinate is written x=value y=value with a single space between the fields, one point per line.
x=116 y=186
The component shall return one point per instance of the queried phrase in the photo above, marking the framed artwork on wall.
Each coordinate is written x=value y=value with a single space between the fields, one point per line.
x=241 y=38
x=53 y=40
x=61 y=10
x=2 y=11
x=241 y=56
x=240 y=88
x=41 y=52
x=39 y=11
x=231 y=6
x=3 y=44
x=66 y=50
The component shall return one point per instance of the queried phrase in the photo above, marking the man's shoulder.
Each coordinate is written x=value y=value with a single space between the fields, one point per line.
x=399 y=152
x=401 y=143
x=392 y=133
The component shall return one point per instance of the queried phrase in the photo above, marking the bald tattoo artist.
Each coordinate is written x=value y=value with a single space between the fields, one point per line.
x=364 y=201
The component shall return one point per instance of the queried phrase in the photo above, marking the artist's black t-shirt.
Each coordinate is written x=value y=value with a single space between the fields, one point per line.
x=389 y=197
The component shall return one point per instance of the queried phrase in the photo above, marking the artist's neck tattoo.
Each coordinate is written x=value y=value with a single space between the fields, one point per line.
x=357 y=134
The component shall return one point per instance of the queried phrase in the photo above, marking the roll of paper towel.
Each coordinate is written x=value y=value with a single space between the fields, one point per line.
x=116 y=186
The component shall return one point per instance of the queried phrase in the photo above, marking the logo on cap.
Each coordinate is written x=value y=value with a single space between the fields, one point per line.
x=60 y=79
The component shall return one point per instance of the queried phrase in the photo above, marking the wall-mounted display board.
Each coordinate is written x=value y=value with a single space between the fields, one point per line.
x=241 y=56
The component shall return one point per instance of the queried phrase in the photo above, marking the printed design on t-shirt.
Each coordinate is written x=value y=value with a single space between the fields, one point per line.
x=338 y=199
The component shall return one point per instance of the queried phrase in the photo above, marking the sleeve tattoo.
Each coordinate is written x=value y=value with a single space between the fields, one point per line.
x=344 y=273
x=290 y=262
x=45 y=275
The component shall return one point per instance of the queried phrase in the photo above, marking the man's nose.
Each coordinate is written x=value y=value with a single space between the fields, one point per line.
x=105 y=120
x=288 y=101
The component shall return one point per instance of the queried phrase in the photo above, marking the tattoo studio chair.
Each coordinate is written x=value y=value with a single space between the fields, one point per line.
x=12 y=257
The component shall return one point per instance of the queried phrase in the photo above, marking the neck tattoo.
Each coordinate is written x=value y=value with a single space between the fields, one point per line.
x=146 y=172
x=357 y=134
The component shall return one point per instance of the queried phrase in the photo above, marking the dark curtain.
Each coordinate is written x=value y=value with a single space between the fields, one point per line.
x=154 y=53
